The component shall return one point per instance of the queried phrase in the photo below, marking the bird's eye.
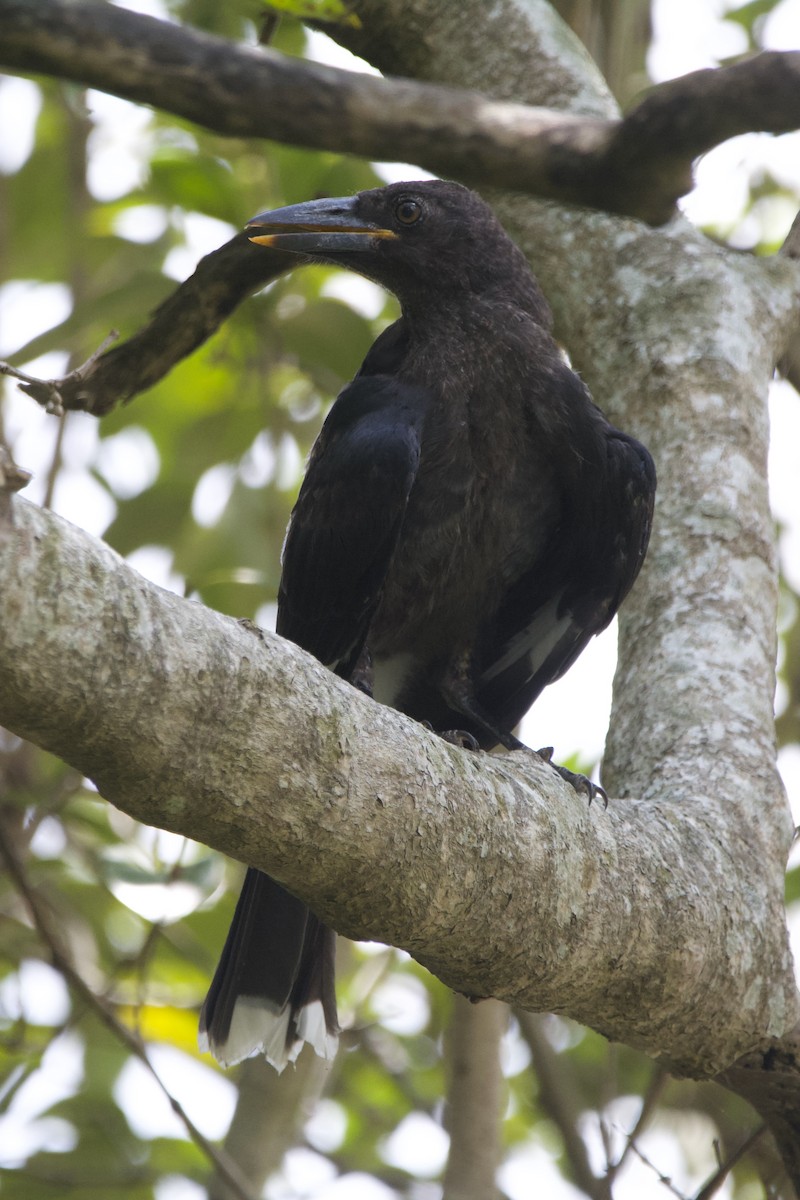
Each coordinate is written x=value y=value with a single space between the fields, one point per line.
x=407 y=211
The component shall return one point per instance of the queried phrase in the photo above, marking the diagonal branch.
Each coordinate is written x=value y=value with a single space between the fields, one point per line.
x=187 y=720
x=638 y=166
x=225 y=1167
x=181 y=323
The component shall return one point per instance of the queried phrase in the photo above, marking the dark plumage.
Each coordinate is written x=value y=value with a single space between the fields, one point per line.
x=469 y=520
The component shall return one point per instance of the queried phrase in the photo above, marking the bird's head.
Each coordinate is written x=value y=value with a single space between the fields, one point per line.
x=421 y=240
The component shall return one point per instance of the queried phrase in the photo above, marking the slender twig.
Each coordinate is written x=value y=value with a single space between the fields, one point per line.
x=48 y=392
x=716 y=1181
x=662 y=1178
x=62 y=962
x=649 y=1103
x=561 y=1103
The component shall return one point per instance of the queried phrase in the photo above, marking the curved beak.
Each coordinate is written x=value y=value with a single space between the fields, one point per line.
x=316 y=227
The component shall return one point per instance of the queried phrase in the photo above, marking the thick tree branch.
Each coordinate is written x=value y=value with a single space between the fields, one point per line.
x=638 y=166
x=770 y=1080
x=187 y=720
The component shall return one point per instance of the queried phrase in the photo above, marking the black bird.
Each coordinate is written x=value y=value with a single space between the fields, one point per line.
x=469 y=520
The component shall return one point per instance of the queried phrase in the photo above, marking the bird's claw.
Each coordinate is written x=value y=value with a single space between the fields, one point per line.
x=456 y=737
x=581 y=783
x=460 y=737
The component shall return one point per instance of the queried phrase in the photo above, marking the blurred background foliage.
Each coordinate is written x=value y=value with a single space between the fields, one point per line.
x=101 y=211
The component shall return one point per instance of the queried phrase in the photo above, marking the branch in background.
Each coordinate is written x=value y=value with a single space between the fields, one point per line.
x=186 y=319
x=770 y=1081
x=650 y=1102
x=638 y=166
x=474 y=1090
x=716 y=1181
x=789 y=363
x=561 y=1104
x=269 y=1111
x=225 y=1168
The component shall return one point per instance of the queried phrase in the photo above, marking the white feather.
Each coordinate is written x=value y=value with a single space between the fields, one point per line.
x=256 y=1027
x=311 y=1028
x=536 y=640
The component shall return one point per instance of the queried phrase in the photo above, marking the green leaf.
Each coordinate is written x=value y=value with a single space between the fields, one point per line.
x=334 y=12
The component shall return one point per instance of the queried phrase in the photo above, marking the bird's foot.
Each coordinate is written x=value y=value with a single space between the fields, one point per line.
x=460 y=737
x=361 y=675
x=581 y=783
x=456 y=737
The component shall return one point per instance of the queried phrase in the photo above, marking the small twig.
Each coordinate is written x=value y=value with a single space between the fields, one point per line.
x=716 y=1181
x=662 y=1178
x=609 y=1090
x=651 y=1099
x=560 y=1101
x=62 y=962
x=47 y=392
x=12 y=479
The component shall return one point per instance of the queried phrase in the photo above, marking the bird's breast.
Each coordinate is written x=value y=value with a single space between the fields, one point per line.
x=480 y=509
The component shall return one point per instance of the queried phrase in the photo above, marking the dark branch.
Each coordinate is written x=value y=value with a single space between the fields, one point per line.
x=187 y=318
x=61 y=959
x=770 y=1081
x=638 y=166
x=789 y=363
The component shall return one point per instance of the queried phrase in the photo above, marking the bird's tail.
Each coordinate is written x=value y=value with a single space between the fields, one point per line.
x=274 y=986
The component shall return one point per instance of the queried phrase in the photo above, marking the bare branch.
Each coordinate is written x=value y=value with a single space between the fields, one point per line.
x=472 y=1114
x=270 y=1108
x=712 y=1186
x=180 y=324
x=225 y=1167
x=650 y=1102
x=638 y=166
x=12 y=479
x=563 y=1106
x=770 y=1080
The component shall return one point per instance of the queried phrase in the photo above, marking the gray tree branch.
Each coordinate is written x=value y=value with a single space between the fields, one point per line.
x=474 y=1099
x=187 y=720
x=638 y=166
x=181 y=323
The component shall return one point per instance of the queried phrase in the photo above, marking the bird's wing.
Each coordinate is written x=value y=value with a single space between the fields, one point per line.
x=576 y=586
x=348 y=515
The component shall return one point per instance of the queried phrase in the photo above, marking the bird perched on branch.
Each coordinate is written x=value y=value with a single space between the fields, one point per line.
x=469 y=520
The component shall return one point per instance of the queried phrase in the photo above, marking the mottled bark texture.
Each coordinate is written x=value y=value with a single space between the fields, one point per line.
x=491 y=872
x=638 y=166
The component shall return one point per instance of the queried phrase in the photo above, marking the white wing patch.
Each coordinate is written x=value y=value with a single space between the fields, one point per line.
x=537 y=640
